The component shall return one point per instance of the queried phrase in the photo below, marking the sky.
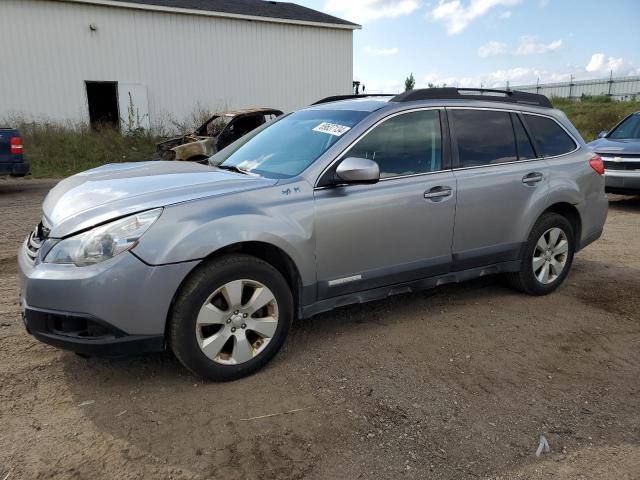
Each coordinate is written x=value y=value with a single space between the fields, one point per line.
x=473 y=43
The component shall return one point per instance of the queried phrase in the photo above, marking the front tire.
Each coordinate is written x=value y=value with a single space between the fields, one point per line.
x=547 y=258
x=231 y=317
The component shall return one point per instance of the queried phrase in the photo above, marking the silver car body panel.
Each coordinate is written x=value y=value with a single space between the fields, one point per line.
x=111 y=191
x=492 y=220
x=622 y=163
x=123 y=291
x=367 y=240
x=280 y=215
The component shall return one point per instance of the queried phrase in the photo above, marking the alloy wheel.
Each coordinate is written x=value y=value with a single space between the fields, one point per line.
x=237 y=321
x=550 y=255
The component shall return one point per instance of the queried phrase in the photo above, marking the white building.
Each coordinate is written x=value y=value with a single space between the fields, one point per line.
x=86 y=60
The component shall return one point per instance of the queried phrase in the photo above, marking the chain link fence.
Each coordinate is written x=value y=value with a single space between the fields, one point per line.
x=618 y=88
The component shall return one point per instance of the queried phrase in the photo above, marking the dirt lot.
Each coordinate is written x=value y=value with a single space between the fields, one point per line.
x=455 y=383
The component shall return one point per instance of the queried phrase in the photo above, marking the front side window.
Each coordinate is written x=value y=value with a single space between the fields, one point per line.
x=629 y=129
x=286 y=147
x=407 y=144
x=550 y=138
x=484 y=137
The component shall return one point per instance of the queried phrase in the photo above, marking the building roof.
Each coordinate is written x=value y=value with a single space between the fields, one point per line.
x=281 y=12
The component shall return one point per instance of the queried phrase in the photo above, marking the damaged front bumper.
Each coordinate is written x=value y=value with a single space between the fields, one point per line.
x=86 y=335
x=116 y=307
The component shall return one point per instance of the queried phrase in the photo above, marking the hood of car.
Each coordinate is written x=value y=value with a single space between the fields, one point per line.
x=629 y=146
x=111 y=191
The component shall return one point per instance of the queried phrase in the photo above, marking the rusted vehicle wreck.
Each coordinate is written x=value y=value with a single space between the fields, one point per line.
x=216 y=133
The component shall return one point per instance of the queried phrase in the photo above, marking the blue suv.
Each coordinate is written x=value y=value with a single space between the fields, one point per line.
x=12 y=161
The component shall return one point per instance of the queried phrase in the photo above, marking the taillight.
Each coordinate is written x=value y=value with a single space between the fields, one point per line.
x=16 y=145
x=597 y=164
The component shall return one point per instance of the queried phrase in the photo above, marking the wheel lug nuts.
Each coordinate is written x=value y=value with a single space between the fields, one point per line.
x=228 y=320
x=244 y=315
x=236 y=312
x=233 y=329
x=244 y=325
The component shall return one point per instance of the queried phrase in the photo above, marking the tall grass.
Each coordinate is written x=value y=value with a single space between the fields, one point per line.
x=59 y=151
x=591 y=115
x=63 y=149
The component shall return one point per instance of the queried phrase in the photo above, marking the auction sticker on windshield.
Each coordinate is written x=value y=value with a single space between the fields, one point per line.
x=332 y=129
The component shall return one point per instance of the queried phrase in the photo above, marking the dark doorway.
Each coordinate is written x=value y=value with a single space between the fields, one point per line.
x=103 y=104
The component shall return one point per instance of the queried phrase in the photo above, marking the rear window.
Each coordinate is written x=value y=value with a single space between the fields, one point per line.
x=550 y=138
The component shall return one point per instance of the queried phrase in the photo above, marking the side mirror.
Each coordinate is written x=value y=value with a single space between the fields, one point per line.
x=603 y=134
x=354 y=170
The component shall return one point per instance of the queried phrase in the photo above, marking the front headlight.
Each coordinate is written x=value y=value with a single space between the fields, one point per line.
x=103 y=242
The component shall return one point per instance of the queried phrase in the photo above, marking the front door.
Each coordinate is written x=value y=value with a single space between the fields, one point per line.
x=397 y=230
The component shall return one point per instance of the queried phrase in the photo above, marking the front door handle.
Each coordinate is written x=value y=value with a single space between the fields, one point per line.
x=437 y=193
x=532 y=178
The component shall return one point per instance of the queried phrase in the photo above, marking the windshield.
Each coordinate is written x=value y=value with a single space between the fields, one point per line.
x=285 y=148
x=630 y=128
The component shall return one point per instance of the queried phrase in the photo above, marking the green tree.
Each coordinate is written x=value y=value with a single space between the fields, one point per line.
x=409 y=83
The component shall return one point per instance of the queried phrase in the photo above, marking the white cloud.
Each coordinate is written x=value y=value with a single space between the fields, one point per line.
x=458 y=16
x=530 y=46
x=492 y=48
x=527 y=46
x=506 y=14
x=381 y=51
x=363 y=11
x=599 y=63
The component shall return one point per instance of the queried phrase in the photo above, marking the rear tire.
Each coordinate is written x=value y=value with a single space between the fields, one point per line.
x=547 y=258
x=230 y=318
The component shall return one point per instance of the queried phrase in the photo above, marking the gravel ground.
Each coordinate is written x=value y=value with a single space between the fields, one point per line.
x=454 y=383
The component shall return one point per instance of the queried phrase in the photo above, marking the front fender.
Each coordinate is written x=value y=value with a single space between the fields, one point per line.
x=281 y=216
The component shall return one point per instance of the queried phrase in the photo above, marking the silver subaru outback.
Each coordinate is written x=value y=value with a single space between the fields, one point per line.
x=347 y=201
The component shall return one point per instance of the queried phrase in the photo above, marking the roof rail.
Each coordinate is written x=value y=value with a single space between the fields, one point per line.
x=488 y=95
x=337 y=98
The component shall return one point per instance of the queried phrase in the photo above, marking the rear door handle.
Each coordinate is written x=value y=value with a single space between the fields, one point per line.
x=533 y=177
x=437 y=193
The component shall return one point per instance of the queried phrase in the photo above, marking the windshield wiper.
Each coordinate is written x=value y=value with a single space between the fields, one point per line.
x=233 y=168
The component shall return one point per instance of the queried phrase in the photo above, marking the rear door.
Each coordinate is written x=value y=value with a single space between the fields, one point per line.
x=501 y=183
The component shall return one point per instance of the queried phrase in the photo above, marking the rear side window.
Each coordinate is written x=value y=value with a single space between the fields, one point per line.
x=550 y=138
x=407 y=144
x=484 y=137
x=525 y=150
